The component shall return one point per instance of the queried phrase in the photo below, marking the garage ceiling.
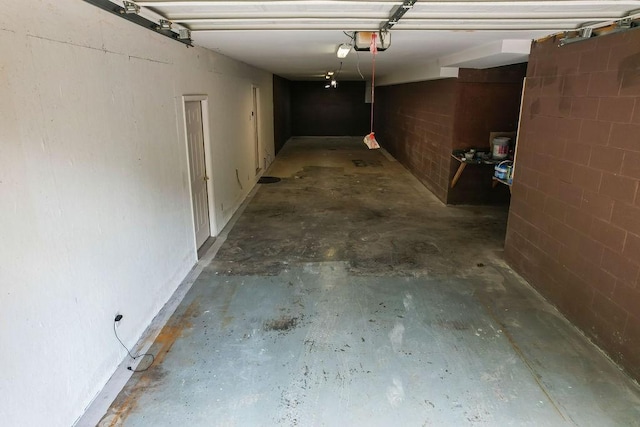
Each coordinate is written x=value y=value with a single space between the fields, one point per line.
x=298 y=39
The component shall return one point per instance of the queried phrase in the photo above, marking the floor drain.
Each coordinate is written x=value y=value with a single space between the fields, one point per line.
x=268 y=180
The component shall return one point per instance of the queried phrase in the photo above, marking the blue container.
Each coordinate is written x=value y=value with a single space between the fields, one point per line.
x=503 y=170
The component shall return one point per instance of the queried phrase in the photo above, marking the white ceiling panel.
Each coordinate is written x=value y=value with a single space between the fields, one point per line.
x=521 y=9
x=298 y=39
x=283 y=24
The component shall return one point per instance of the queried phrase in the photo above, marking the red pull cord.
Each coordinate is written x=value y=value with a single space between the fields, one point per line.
x=374 y=50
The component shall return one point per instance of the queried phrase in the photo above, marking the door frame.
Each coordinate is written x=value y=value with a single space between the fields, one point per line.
x=208 y=163
x=257 y=142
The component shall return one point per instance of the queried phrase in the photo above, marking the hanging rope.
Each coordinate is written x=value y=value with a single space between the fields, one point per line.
x=370 y=140
x=374 y=50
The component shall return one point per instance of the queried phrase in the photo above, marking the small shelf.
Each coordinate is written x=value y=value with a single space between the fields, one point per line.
x=496 y=181
x=463 y=164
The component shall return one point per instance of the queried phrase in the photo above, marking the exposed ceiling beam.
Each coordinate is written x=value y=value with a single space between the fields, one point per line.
x=275 y=15
x=495 y=19
x=276 y=20
x=451 y=3
x=515 y=15
x=404 y=21
x=290 y=27
x=263 y=3
x=405 y=24
x=509 y=3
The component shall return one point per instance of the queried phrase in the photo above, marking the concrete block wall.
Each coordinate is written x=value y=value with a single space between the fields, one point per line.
x=488 y=100
x=414 y=122
x=574 y=223
x=421 y=123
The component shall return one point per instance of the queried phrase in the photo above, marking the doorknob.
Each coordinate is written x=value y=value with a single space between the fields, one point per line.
x=206 y=178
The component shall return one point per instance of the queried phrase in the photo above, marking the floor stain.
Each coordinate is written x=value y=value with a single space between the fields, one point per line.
x=281 y=324
x=388 y=305
x=366 y=163
x=516 y=348
x=140 y=382
x=456 y=325
x=345 y=214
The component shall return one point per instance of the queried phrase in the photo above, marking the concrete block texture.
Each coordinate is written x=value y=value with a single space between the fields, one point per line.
x=590 y=190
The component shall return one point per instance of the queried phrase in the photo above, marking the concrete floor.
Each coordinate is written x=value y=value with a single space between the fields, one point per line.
x=347 y=295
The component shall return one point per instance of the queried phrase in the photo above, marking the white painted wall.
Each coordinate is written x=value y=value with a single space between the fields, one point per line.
x=95 y=214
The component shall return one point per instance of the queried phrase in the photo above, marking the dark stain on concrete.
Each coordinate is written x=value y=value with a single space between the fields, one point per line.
x=367 y=163
x=367 y=217
x=281 y=324
x=456 y=325
x=370 y=223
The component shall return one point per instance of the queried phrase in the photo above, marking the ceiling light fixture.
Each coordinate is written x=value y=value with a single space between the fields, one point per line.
x=343 y=50
x=331 y=82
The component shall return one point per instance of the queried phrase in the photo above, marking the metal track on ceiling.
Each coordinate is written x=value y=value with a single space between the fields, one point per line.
x=373 y=15
x=149 y=24
x=224 y=15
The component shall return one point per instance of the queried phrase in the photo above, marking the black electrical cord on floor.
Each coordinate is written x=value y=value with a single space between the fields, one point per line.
x=131 y=355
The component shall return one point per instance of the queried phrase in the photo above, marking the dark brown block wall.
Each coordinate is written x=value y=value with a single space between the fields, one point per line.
x=414 y=122
x=488 y=100
x=421 y=123
x=574 y=222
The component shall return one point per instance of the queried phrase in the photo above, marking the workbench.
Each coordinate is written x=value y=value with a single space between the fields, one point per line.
x=464 y=162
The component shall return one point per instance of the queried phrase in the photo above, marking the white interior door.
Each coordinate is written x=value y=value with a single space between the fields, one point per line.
x=198 y=172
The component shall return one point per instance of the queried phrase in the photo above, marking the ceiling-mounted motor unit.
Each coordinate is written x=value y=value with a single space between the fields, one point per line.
x=362 y=40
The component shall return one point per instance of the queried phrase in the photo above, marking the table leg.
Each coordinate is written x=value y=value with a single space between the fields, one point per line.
x=456 y=177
